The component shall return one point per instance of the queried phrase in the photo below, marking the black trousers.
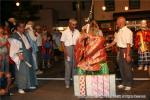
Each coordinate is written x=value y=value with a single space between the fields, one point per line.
x=125 y=67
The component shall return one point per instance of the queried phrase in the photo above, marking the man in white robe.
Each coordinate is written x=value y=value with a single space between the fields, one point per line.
x=21 y=54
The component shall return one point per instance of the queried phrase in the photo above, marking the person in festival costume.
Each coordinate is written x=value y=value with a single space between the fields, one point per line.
x=90 y=54
x=20 y=53
x=142 y=43
x=32 y=37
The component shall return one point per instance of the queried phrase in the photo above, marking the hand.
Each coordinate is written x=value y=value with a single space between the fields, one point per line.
x=106 y=47
x=21 y=57
x=2 y=92
x=128 y=58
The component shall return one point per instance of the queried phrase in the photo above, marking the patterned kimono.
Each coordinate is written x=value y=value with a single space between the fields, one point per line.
x=90 y=54
x=142 y=43
x=25 y=73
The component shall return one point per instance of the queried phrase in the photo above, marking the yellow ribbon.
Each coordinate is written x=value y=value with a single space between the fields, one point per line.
x=142 y=47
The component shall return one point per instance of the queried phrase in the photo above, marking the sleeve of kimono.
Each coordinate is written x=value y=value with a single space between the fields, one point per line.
x=15 y=47
x=31 y=32
x=32 y=36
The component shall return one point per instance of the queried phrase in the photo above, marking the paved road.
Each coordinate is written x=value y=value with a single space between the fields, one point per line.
x=55 y=90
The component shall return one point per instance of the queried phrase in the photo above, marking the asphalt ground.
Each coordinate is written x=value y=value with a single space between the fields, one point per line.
x=55 y=89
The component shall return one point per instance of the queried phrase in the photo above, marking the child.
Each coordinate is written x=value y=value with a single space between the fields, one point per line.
x=47 y=48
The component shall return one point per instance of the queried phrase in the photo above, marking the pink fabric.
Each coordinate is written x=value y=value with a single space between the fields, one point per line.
x=94 y=85
x=100 y=85
x=106 y=85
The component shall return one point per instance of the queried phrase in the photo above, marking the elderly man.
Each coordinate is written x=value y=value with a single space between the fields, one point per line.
x=124 y=41
x=68 y=39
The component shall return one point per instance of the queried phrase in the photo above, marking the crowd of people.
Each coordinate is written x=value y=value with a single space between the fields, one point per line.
x=26 y=50
x=123 y=40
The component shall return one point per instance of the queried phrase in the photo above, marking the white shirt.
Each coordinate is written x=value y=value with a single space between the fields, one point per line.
x=25 y=41
x=70 y=38
x=123 y=37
